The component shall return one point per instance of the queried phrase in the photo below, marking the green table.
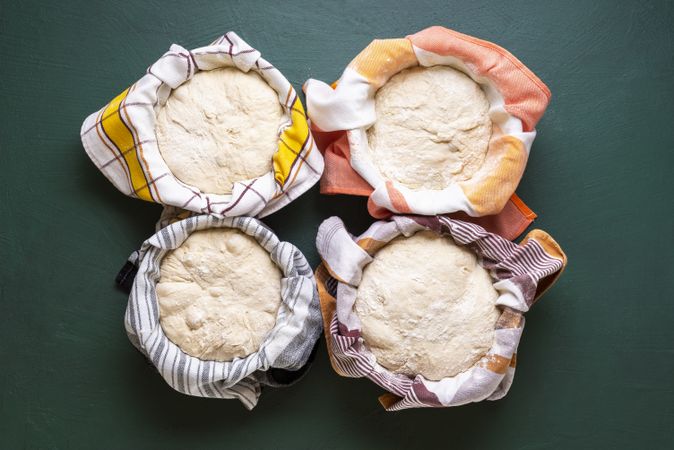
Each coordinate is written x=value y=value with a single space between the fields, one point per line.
x=596 y=362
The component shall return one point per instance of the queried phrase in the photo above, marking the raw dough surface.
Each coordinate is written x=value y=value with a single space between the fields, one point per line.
x=218 y=294
x=218 y=128
x=426 y=307
x=432 y=128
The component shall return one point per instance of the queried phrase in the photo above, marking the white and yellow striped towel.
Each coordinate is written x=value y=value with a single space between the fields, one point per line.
x=120 y=138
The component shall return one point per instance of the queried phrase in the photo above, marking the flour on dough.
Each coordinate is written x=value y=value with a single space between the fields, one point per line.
x=218 y=294
x=432 y=128
x=218 y=128
x=426 y=307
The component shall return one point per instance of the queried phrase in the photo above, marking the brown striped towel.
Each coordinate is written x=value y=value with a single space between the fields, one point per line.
x=521 y=274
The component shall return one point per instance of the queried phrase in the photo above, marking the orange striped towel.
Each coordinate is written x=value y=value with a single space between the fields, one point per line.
x=341 y=114
x=340 y=178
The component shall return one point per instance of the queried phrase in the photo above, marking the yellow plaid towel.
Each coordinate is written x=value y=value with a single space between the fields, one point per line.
x=120 y=138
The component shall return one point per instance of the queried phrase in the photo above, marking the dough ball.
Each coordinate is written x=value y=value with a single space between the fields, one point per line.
x=426 y=307
x=218 y=294
x=218 y=128
x=432 y=129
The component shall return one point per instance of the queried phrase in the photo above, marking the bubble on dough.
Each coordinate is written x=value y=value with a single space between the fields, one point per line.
x=218 y=294
x=218 y=128
x=432 y=129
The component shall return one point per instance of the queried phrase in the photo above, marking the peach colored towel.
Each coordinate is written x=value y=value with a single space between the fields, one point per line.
x=341 y=113
x=340 y=178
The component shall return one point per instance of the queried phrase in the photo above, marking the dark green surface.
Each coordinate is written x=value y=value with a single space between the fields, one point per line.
x=596 y=363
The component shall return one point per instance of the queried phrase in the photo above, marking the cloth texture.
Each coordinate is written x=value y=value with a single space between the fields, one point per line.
x=342 y=113
x=521 y=273
x=509 y=223
x=120 y=138
x=286 y=349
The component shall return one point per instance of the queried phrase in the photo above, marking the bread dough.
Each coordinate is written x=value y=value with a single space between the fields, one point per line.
x=218 y=128
x=426 y=307
x=432 y=128
x=218 y=294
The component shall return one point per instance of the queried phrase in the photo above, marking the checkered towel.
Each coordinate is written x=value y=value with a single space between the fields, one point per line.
x=517 y=98
x=120 y=138
x=522 y=273
x=285 y=349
